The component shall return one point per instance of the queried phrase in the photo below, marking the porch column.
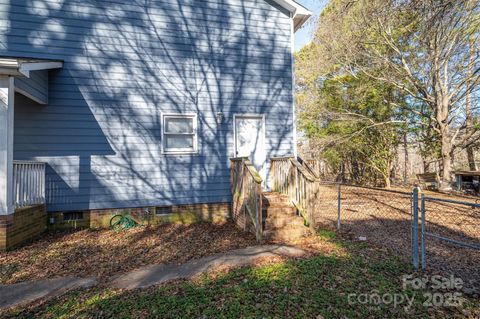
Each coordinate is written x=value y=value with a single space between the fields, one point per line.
x=6 y=145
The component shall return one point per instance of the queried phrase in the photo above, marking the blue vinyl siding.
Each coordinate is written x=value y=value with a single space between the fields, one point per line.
x=126 y=63
x=35 y=87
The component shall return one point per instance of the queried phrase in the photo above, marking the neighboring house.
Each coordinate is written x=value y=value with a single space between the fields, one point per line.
x=137 y=104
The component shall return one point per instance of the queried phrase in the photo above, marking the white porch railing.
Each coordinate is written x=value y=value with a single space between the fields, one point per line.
x=28 y=183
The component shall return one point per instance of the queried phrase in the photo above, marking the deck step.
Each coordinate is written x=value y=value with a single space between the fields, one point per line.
x=275 y=198
x=281 y=222
x=276 y=223
x=277 y=235
x=271 y=211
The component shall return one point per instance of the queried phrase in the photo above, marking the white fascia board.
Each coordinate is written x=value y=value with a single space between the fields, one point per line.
x=26 y=67
x=22 y=67
x=300 y=14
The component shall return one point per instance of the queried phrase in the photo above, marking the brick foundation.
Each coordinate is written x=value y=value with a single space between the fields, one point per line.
x=186 y=214
x=22 y=226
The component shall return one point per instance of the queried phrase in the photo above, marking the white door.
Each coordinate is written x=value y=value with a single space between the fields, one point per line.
x=250 y=141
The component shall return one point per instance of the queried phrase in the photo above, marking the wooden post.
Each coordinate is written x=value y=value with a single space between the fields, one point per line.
x=243 y=193
x=313 y=194
x=6 y=145
x=247 y=196
x=259 y=230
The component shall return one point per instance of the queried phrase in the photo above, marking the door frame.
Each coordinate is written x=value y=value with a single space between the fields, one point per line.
x=249 y=116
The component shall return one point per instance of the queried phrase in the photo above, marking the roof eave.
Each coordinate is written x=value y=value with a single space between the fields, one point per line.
x=299 y=13
x=299 y=21
x=22 y=67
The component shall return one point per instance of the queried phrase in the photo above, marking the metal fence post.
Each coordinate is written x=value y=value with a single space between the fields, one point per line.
x=339 y=203
x=422 y=240
x=415 y=229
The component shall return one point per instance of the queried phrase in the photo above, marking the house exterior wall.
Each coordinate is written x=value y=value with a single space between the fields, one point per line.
x=126 y=63
x=34 y=87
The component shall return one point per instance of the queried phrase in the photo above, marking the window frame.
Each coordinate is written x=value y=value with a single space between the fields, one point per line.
x=194 y=134
x=77 y=216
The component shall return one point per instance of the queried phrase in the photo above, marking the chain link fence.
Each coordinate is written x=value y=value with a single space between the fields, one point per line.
x=450 y=238
x=440 y=233
x=380 y=216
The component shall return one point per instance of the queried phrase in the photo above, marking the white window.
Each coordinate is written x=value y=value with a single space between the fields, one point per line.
x=179 y=133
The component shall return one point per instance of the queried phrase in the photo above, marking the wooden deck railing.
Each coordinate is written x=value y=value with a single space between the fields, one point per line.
x=313 y=166
x=291 y=178
x=28 y=183
x=246 y=185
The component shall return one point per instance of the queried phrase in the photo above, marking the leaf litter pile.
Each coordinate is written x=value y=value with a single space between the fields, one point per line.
x=317 y=286
x=104 y=253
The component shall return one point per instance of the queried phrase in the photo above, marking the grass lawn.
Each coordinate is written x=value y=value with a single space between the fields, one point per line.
x=315 y=287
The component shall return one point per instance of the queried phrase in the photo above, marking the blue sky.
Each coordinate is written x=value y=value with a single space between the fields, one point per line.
x=304 y=35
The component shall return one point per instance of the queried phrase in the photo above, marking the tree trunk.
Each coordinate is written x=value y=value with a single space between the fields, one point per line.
x=388 y=184
x=387 y=175
x=445 y=139
x=470 y=152
x=446 y=160
x=468 y=110
x=471 y=159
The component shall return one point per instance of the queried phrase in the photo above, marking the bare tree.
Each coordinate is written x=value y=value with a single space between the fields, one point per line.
x=421 y=47
x=468 y=111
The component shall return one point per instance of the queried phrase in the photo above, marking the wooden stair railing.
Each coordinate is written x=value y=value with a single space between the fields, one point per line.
x=246 y=185
x=311 y=165
x=291 y=178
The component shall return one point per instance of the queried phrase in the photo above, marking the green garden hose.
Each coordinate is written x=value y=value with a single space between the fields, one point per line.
x=122 y=222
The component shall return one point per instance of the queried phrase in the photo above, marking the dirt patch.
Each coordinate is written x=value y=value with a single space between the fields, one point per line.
x=384 y=218
x=104 y=253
